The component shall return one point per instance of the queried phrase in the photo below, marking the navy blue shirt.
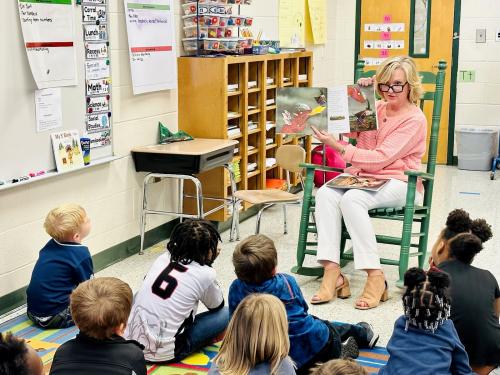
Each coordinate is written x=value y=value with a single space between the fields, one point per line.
x=419 y=351
x=308 y=335
x=59 y=269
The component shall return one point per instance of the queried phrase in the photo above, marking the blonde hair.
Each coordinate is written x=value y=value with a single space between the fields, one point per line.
x=255 y=259
x=257 y=332
x=64 y=221
x=339 y=367
x=99 y=306
x=387 y=68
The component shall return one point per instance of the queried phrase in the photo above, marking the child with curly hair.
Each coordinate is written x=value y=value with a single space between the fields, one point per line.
x=424 y=340
x=163 y=316
x=475 y=293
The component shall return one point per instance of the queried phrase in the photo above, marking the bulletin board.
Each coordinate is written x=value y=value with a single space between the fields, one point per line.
x=23 y=149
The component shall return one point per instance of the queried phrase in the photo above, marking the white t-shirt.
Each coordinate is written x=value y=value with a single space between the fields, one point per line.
x=168 y=298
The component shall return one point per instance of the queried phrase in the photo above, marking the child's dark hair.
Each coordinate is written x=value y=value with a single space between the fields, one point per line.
x=426 y=301
x=194 y=240
x=13 y=353
x=465 y=235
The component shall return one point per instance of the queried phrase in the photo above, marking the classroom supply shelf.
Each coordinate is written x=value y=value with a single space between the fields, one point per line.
x=213 y=90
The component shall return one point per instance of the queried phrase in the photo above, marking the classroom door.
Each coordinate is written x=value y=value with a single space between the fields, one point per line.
x=400 y=27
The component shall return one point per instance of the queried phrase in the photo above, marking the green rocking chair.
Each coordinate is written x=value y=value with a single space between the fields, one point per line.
x=408 y=214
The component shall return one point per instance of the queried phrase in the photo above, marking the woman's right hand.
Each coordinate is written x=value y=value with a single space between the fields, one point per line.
x=368 y=81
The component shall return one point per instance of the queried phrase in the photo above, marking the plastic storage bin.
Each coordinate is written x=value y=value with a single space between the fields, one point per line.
x=476 y=148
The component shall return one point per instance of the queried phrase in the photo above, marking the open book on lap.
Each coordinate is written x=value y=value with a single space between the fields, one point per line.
x=347 y=181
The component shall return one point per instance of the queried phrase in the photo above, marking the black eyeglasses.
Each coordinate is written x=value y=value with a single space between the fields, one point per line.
x=395 y=88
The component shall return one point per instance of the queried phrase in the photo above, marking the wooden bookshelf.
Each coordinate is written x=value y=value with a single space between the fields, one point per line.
x=207 y=107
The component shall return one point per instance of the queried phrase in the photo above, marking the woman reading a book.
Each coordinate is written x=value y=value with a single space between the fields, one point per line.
x=386 y=153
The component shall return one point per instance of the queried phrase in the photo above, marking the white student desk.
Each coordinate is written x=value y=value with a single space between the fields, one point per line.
x=182 y=161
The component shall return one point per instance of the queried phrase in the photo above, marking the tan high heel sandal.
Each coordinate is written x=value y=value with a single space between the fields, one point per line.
x=329 y=289
x=375 y=291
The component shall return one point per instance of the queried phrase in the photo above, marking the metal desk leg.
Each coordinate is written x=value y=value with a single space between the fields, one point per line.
x=199 y=197
x=235 y=230
x=180 y=206
x=144 y=208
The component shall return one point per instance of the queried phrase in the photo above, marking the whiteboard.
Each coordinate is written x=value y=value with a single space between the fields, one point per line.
x=22 y=149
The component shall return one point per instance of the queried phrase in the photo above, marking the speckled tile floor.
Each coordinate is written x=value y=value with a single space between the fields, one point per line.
x=472 y=191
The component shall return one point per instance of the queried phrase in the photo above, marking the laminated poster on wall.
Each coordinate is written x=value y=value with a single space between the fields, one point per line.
x=97 y=69
x=96 y=50
x=48 y=32
x=67 y=150
x=97 y=86
x=94 y=13
x=97 y=104
x=95 y=33
x=100 y=139
x=97 y=121
x=151 y=39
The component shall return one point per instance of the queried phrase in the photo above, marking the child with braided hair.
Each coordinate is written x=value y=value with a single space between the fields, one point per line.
x=424 y=340
x=475 y=293
x=163 y=316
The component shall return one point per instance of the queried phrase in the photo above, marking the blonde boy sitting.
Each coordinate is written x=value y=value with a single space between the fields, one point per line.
x=63 y=263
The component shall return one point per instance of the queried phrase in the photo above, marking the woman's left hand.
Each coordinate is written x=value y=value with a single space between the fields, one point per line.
x=326 y=138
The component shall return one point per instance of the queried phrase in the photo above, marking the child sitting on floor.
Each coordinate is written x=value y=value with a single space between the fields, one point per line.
x=312 y=340
x=163 y=316
x=17 y=357
x=339 y=367
x=475 y=294
x=100 y=309
x=424 y=340
x=256 y=341
x=63 y=263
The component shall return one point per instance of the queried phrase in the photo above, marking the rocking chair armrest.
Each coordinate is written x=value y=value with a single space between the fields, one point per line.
x=423 y=175
x=320 y=167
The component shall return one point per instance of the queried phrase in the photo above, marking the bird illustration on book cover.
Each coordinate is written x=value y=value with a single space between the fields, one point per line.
x=300 y=107
x=361 y=103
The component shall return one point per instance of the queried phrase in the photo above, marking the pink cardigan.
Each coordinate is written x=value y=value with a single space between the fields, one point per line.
x=397 y=146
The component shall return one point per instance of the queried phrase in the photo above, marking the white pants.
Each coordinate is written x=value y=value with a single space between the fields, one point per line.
x=353 y=205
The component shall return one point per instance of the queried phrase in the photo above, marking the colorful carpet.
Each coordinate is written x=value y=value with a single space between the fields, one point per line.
x=45 y=342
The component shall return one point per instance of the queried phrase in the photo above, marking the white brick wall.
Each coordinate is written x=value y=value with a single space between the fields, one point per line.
x=478 y=103
x=111 y=193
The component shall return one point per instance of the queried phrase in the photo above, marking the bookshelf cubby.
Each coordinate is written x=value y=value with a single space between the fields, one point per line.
x=234 y=97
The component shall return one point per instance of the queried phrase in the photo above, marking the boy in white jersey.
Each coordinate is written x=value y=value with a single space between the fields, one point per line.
x=163 y=316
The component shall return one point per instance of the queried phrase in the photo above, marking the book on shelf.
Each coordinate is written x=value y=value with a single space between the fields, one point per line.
x=233 y=132
x=67 y=150
x=269 y=80
x=347 y=181
x=232 y=87
x=252 y=126
x=250 y=148
x=250 y=107
x=252 y=84
x=270 y=125
x=286 y=79
x=270 y=101
x=232 y=114
x=269 y=141
x=251 y=167
x=338 y=109
x=302 y=77
x=270 y=162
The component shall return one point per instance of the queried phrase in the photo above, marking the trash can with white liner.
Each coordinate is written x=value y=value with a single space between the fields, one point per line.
x=476 y=148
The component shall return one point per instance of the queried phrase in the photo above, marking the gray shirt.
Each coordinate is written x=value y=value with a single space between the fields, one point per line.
x=285 y=368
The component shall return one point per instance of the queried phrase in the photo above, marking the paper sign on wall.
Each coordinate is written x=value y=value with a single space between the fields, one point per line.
x=97 y=104
x=95 y=33
x=151 y=39
x=384 y=44
x=48 y=109
x=97 y=121
x=48 y=32
x=93 y=13
x=387 y=27
x=96 y=50
x=372 y=61
x=96 y=69
x=98 y=2
x=97 y=86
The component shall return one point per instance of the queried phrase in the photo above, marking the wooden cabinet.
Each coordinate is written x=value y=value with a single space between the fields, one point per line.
x=234 y=97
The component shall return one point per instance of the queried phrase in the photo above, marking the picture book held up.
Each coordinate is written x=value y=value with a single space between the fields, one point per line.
x=67 y=150
x=351 y=108
x=338 y=109
x=300 y=107
x=347 y=181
